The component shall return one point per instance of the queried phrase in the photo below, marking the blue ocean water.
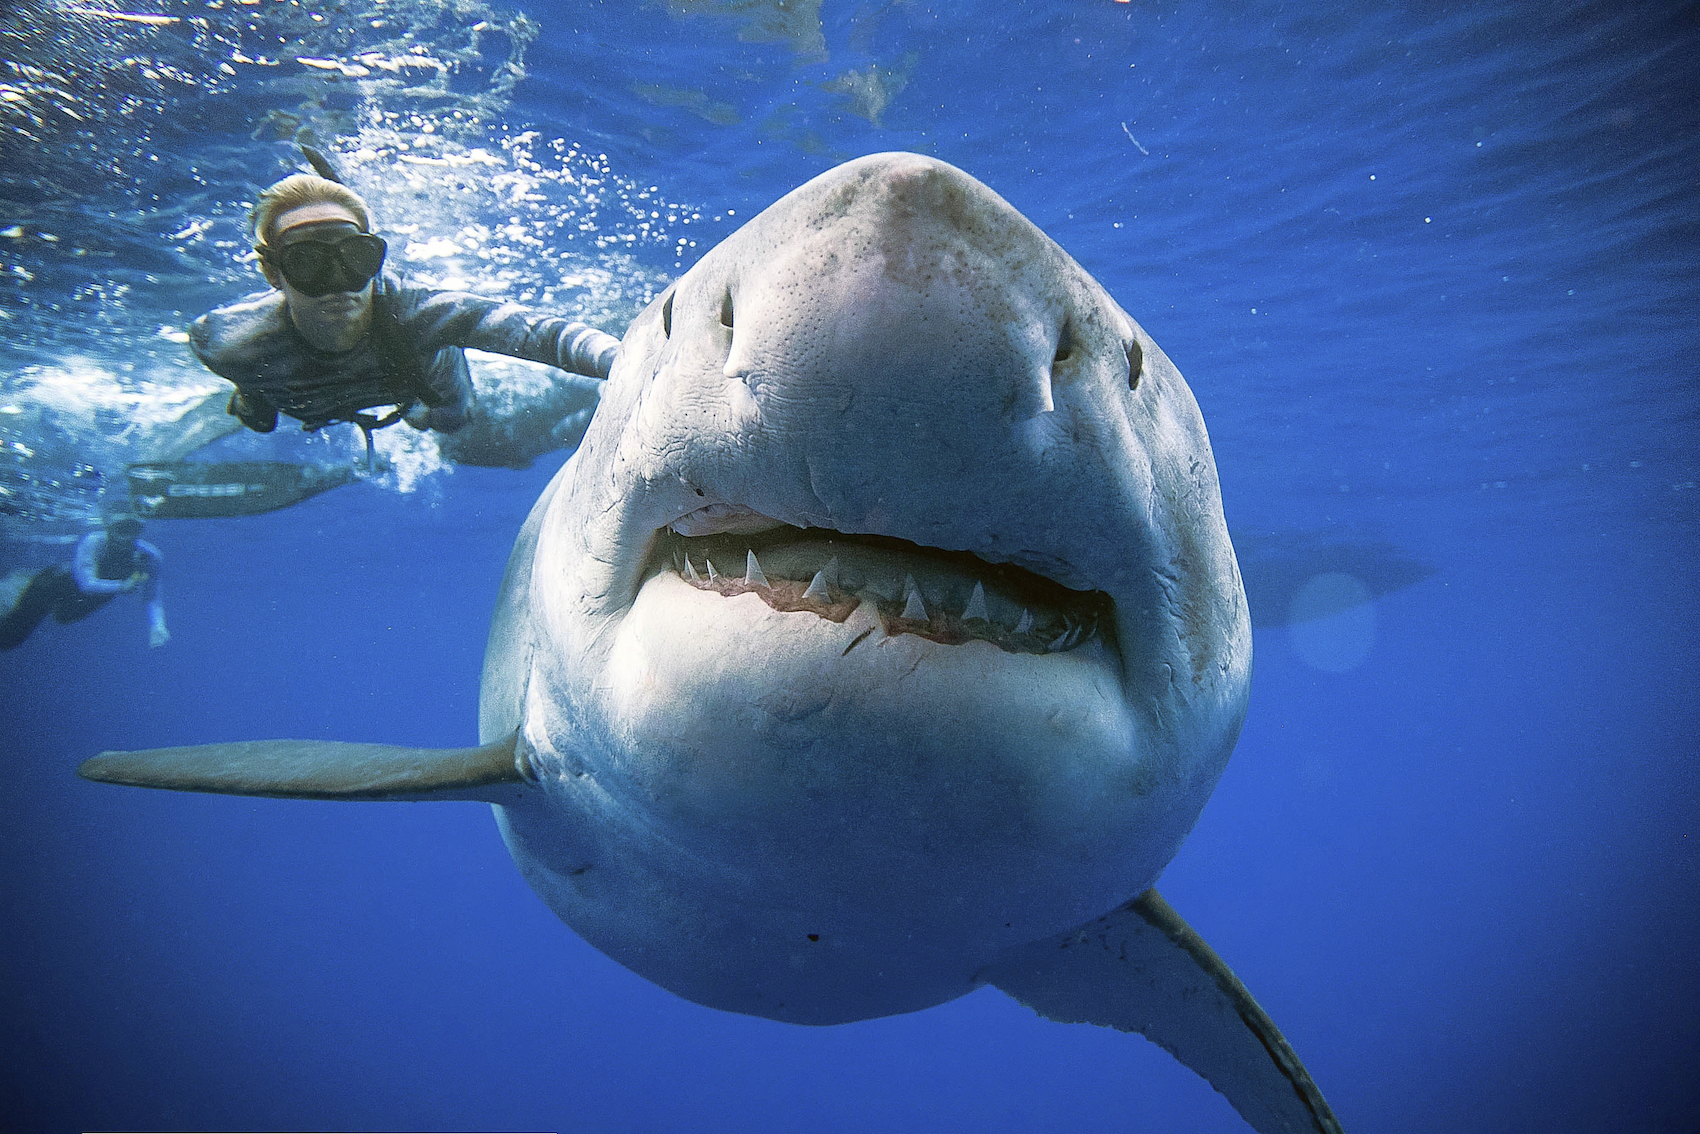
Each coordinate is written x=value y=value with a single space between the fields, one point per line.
x=1432 y=273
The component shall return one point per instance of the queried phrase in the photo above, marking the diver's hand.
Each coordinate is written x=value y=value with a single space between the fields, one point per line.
x=259 y=418
x=135 y=581
x=158 y=635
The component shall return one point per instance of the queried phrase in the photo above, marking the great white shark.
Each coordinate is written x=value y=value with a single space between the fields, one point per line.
x=883 y=639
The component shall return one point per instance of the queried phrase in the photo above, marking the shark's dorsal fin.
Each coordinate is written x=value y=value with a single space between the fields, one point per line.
x=322 y=769
x=1141 y=968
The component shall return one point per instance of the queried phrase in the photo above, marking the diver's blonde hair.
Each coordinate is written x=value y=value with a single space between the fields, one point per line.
x=300 y=189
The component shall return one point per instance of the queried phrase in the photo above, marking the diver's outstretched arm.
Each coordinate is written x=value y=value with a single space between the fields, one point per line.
x=158 y=635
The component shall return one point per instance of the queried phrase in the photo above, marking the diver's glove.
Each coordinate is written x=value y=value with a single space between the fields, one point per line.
x=260 y=418
x=441 y=419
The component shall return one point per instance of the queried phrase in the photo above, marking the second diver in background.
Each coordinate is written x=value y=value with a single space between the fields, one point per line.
x=108 y=563
x=339 y=339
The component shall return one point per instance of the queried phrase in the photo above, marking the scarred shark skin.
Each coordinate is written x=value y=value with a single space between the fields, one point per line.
x=775 y=812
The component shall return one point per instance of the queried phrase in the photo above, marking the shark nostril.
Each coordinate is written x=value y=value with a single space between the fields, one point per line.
x=726 y=311
x=667 y=316
x=1065 y=345
x=1135 y=364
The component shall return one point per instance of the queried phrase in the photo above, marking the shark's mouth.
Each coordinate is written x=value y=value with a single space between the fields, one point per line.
x=949 y=597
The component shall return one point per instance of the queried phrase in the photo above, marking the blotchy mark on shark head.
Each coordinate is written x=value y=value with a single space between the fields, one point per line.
x=911 y=202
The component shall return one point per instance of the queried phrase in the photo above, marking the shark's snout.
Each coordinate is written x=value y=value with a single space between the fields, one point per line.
x=900 y=354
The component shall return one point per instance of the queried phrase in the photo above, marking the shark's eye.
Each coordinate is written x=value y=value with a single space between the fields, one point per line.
x=667 y=316
x=1135 y=364
x=726 y=311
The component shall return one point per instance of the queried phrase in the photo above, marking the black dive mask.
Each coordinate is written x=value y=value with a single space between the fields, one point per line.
x=319 y=267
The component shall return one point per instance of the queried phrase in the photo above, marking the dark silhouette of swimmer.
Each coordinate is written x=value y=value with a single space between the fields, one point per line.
x=340 y=339
x=107 y=563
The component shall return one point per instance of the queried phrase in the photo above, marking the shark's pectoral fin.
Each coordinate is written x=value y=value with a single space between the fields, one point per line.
x=1142 y=969
x=321 y=769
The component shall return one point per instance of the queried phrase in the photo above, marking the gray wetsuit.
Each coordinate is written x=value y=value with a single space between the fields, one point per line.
x=412 y=354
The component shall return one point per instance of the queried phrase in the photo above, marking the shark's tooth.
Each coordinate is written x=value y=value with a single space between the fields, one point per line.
x=914 y=609
x=1073 y=633
x=712 y=573
x=752 y=571
x=817 y=588
x=977 y=605
x=691 y=572
x=1025 y=626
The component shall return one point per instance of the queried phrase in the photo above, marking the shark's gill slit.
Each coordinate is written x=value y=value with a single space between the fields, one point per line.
x=950 y=597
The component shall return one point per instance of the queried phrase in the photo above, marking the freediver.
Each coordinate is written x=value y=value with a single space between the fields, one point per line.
x=109 y=562
x=338 y=339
